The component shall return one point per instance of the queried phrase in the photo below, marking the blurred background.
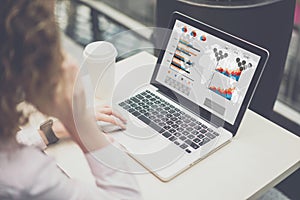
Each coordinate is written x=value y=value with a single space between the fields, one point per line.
x=85 y=21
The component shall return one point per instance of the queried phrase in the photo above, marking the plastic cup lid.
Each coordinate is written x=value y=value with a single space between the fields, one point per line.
x=99 y=51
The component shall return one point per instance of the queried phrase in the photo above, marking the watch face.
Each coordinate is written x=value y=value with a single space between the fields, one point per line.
x=47 y=124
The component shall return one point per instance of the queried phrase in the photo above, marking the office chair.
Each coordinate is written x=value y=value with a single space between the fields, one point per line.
x=267 y=23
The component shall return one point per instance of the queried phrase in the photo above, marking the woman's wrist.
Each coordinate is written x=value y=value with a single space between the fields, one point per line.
x=44 y=138
x=86 y=133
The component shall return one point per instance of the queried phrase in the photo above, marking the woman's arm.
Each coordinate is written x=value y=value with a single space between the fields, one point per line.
x=44 y=180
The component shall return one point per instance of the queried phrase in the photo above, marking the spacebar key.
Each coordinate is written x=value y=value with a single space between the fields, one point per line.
x=145 y=119
x=150 y=123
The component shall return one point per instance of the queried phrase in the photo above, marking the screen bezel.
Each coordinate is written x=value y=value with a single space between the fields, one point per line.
x=205 y=114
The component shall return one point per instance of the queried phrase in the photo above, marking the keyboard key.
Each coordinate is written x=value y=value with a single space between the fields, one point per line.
x=169 y=115
x=190 y=129
x=134 y=99
x=161 y=124
x=161 y=130
x=167 y=127
x=173 y=138
x=174 y=126
x=185 y=133
x=122 y=104
x=127 y=107
x=177 y=134
x=170 y=122
x=203 y=131
x=160 y=116
x=136 y=113
x=172 y=130
x=188 y=151
x=171 y=111
x=210 y=130
x=164 y=119
x=179 y=122
x=159 y=109
x=144 y=119
x=139 y=108
x=157 y=120
x=203 y=126
x=192 y=124
x=196 y=140
x=210 y=135
x=176 y=114
x=153 y=99
x=198 y=123
x=198 y=127
x=216 y=134
x=166 y=134
x=141 y=103
x=174 y=119
x=128 y=101
x=131 y=110
x=193 y=120
x=200 y=136
x=176 y=142
x=192 y=144
x=176 y=109
x=204 y=141
x=183 y=146
x=146 y=107
x=180 y=129
x=188 y=141
x=152 y=117
x=191 y=137
x=183 y=138
x=188 y=117
x=163 y=112
x=167 y=108
x=139 y=96
x=194 y=132
x=183 y=125
x=154 y=106
x=143 y=111
x=186 y=120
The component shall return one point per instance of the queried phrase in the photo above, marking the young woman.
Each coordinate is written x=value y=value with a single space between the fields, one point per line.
x=34 y=69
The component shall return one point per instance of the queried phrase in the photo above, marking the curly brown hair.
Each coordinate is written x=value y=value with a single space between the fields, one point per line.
x=30 y=58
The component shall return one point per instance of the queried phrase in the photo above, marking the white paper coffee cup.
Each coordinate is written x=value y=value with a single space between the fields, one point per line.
x=100 y=60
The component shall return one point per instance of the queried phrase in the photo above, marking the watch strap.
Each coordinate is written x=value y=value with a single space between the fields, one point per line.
x=51 y=137
x=46 y=127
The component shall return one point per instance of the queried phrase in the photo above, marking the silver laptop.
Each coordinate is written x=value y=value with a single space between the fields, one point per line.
x=199 y=91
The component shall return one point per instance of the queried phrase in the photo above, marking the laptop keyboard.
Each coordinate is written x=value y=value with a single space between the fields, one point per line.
x=177 y=126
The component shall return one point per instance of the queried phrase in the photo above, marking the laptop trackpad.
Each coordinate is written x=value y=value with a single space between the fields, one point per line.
x=160 y=159
x=155 y=152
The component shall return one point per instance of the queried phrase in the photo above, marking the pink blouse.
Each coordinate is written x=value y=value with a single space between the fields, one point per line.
x=27 y=173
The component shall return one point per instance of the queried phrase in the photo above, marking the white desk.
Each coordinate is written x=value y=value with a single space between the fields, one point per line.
x=260 y=156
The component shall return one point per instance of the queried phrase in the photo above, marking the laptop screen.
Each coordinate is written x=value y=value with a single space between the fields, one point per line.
x=211 y=72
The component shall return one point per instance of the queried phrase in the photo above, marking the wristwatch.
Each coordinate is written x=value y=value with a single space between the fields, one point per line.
x=46 y=127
